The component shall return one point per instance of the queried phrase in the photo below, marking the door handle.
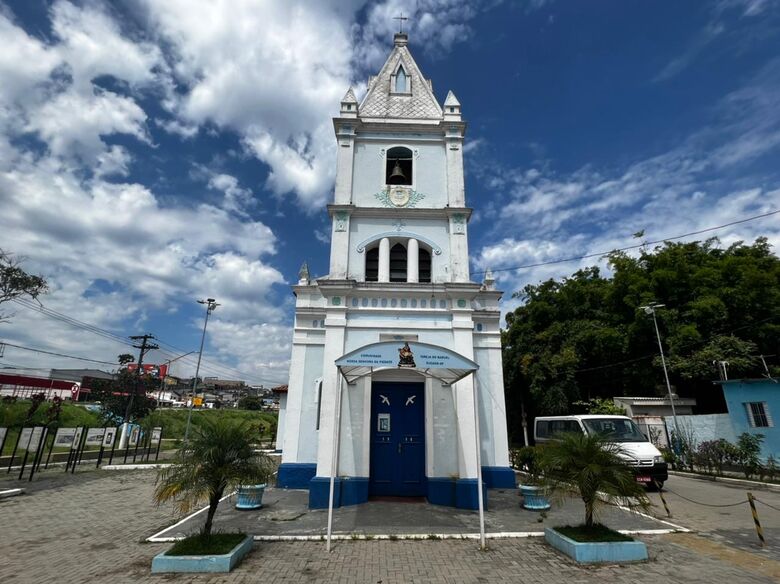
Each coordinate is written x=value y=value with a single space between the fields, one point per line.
x=399 y=447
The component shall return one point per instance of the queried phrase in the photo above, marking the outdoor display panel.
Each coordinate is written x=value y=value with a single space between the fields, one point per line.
x=95 y=436
x=65 y=437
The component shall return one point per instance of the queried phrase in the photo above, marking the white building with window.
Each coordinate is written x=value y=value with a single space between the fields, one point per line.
x=396 y=333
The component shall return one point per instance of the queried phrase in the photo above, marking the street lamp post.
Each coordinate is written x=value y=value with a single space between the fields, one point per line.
x=650 y=309
x=211 y=305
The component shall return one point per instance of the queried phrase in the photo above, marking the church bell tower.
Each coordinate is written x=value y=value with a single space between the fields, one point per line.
x=399 y=273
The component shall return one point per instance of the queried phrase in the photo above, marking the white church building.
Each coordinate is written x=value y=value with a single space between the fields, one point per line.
x=396 y=377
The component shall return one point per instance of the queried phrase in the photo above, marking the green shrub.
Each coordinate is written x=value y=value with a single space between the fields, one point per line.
x=748 y=452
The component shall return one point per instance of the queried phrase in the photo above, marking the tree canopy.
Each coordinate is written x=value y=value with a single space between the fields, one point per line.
x=584 y=337
x=15 y=282
x=114 y=394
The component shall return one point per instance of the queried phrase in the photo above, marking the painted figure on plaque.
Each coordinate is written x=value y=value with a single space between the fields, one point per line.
x=405 y=356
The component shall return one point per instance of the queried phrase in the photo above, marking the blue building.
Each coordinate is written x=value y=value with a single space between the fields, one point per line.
x=751 y=404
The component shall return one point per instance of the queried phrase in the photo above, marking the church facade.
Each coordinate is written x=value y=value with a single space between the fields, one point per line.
x=396 y=375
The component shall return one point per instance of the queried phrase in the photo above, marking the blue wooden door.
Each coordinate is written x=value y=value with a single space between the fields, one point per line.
x=397 y=439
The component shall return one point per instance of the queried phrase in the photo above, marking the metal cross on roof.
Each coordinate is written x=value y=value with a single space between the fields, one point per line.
x=401 y=20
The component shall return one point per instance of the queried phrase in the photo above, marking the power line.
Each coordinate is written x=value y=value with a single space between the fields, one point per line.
x=216 y=368
x=630 y=247
x=7 y=344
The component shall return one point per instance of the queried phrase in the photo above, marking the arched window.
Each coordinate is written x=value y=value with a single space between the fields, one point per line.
x=400 y=81
x=372 y=265
x=424 y=265
x=398 y=263
x=398 y=169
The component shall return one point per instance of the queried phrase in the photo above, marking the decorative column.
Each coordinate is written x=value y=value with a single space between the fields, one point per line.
x=412 y=261
x=384 y=260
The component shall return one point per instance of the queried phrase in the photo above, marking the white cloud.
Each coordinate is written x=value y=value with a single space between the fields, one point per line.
x=91 y=43
x=236 y=198
x=277 y=89
x=19 y=48
x=73 y=124
x=270 y=364
x=686 y=189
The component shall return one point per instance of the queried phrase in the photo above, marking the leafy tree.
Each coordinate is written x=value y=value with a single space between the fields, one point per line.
x=583 y=337
x=598 y=405
x=591 y=468
x=219 y=457
x=114 y=394
x=35 y=402
x=15 y=282
x=250 y=402
x=125 y=358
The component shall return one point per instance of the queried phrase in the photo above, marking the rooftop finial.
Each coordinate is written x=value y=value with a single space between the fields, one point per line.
x=401 y=18
x=303 y=275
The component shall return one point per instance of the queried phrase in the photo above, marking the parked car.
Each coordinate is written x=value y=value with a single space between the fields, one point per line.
x=648 y=463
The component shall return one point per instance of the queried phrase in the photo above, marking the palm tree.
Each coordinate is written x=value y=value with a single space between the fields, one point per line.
x=591 y=467
x=219 y=457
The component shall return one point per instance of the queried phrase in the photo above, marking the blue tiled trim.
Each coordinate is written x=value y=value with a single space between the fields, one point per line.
x=441 y=491
x=466 y=494
x=499 y=477
x=354 y=490
x=295 y=475
x=319 y=492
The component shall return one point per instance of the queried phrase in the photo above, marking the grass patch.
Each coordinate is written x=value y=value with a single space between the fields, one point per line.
x=173 y=421
x=595 y=534
x=199 y=545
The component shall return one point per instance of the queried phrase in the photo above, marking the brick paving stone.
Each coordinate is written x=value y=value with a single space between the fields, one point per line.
x=91 y=526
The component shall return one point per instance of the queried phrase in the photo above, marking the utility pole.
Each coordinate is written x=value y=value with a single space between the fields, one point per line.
x=143 y=348
x=650 y=309
x=211 y=305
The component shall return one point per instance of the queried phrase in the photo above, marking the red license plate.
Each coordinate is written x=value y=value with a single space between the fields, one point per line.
x=644 y=480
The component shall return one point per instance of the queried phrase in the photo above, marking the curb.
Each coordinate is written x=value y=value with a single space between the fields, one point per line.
x=728 y=480
x=11 y=493
x=134 y=466
x=414 y=536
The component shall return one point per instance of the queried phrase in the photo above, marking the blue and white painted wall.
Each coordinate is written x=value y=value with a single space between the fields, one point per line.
x=379 y=288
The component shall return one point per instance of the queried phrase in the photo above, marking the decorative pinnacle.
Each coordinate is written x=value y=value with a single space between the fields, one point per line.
x=401 y=18
x=303 y=274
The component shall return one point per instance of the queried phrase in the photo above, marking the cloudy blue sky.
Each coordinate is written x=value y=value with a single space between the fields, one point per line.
x=157 y=151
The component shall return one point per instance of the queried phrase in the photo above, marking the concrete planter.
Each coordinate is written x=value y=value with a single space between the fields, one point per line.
x=615 y=552
x=162 y=563
x=534 y=498
x=250 y=496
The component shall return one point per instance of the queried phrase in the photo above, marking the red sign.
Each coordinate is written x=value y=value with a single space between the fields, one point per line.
x=158 y=371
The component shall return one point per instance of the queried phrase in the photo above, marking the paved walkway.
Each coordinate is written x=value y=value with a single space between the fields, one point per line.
x=90 y=527
x=286 y=513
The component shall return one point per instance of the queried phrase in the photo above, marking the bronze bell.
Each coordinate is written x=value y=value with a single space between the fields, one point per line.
x=397 y=176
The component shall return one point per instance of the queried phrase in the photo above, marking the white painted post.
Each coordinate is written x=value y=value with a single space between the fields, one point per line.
x=334 y=458
x=479 y=470
x=384 y=260
x=412 y=261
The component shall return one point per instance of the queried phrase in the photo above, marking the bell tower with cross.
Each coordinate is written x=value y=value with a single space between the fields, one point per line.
x=398 y=273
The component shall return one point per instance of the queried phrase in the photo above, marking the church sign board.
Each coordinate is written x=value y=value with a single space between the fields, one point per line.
x=406 y=354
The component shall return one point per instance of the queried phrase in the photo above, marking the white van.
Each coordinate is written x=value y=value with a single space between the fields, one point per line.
x=638 y=451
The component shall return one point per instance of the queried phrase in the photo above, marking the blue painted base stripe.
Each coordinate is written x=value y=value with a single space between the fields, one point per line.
x=499 y=477
x=441 y=491
x=354 y=490
x=466 y=494
x=319 y=492
x=295 y=475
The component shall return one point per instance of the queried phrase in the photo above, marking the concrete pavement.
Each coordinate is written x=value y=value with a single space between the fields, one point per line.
x=91 y=527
